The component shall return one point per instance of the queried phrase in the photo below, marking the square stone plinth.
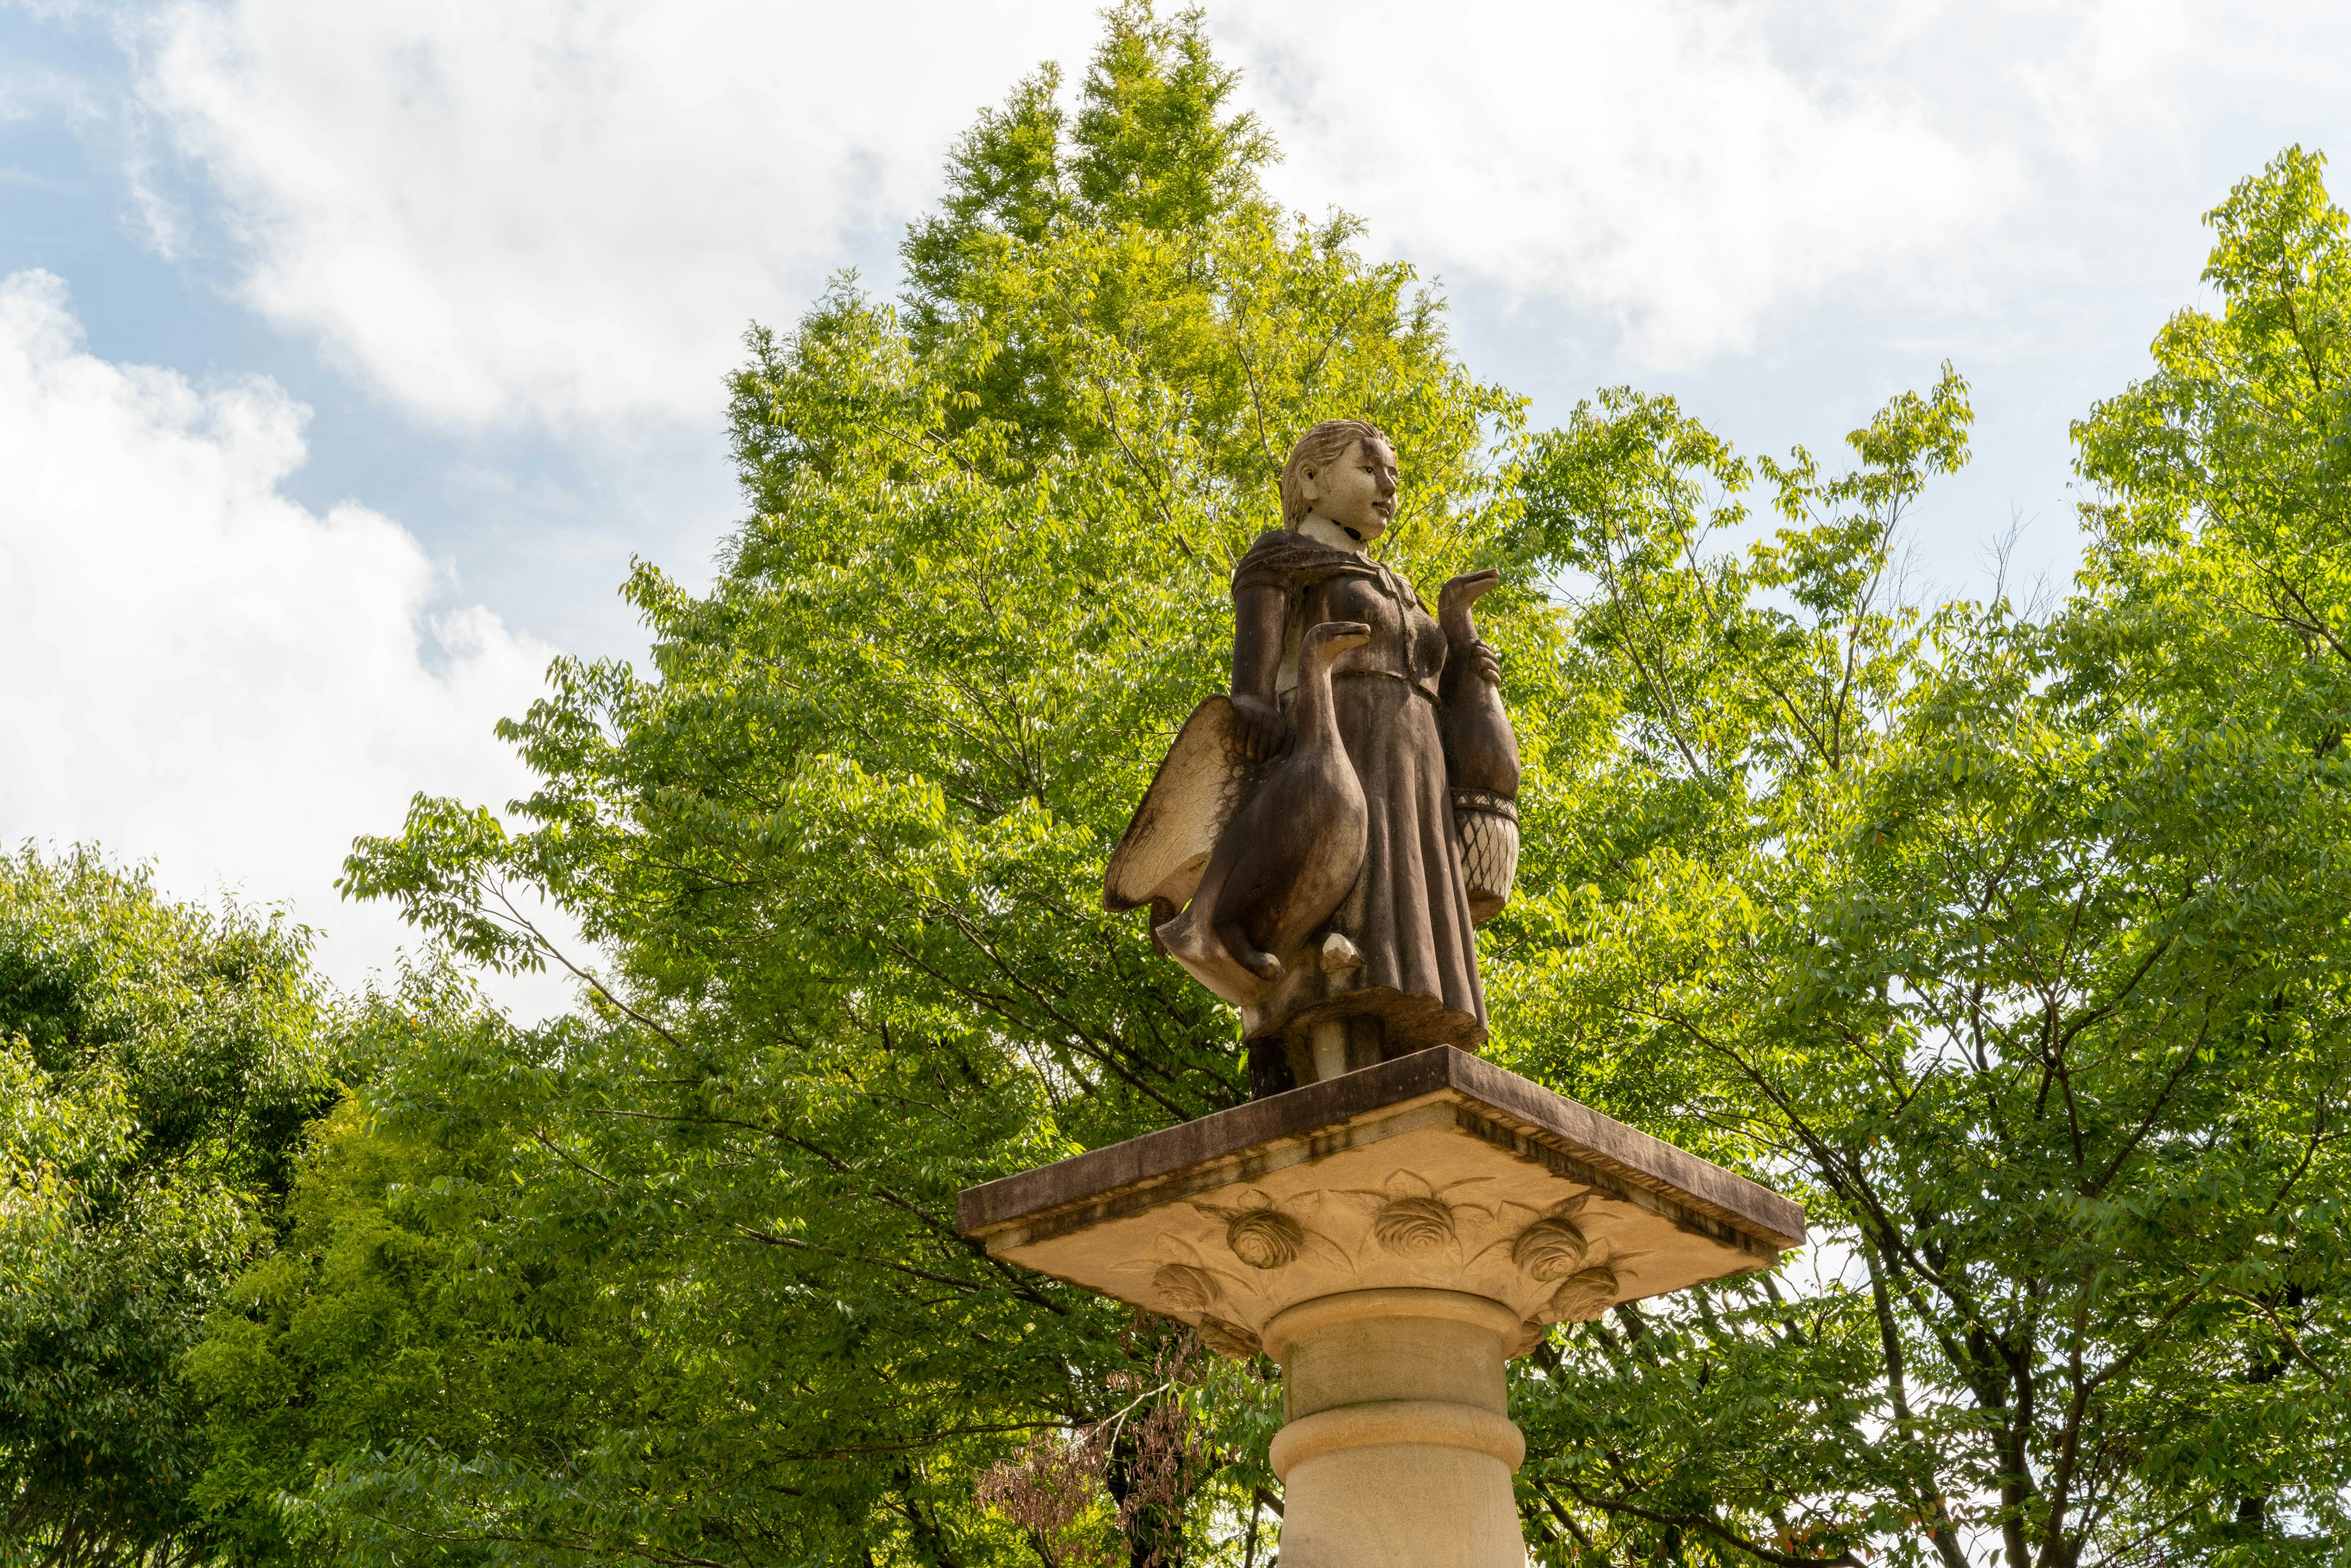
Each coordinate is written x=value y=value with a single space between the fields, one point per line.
x=1433 y=1171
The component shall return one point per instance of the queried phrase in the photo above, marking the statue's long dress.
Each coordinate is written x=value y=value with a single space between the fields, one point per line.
x=1408 y=916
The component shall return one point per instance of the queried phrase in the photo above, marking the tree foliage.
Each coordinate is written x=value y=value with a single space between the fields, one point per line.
x=158 y=1065
x=2016 y=946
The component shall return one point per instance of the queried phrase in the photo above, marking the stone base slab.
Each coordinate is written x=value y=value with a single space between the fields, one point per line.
x=1434 y=1171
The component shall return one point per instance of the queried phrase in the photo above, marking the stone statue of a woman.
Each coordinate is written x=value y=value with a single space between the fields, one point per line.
x=1316 y=847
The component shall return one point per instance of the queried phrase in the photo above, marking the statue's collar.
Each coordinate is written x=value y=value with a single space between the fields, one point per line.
x=1321 y=530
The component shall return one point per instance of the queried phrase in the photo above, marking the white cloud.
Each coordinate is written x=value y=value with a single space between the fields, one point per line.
x=1665 y=165
x=553 y=209
x=195 y=669
x=1699 y=172
x=558 y=210
x=563 y=211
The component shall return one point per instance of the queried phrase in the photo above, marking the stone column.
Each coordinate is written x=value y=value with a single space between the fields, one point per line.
x=1398 y=1451
x=1390 y=1237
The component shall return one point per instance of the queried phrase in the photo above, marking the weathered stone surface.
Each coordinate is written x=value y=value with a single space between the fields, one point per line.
x=1435 y=1171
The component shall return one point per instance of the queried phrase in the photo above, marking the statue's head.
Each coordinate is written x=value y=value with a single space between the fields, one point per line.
x=1344 y=471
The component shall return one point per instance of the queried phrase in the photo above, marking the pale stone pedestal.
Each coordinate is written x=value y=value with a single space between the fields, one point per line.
x=1397 y=1449
x=1390 y=1237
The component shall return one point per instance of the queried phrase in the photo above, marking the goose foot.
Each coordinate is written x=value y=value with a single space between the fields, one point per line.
x=1248 y=953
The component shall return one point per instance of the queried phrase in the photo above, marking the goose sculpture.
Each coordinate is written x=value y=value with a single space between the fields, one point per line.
x=1255 y=857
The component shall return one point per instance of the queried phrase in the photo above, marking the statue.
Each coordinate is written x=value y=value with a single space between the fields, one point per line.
x=1316 y=847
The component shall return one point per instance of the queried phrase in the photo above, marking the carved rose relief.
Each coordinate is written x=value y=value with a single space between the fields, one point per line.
x=1585 y=1295
x=1227 y=1338
x=1185 y=1286
x=1264 y=1238
x=1412 y=1219
x=1549 y=1249
x=1250 y=1252
x=1413 y=1227
x=1258 y=1232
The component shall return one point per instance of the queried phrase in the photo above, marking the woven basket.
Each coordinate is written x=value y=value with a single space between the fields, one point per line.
x=1489 y=825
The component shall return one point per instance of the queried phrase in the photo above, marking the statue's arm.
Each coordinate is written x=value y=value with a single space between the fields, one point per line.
x=1483 y=663
x=1261 y=614
x=1482 y=752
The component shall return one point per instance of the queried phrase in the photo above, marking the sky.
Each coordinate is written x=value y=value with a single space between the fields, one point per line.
x=349 y=354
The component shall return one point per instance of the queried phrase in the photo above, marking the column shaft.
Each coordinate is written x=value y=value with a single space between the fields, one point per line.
x=1397 y=1452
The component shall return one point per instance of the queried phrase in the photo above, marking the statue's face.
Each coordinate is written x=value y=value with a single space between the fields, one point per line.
x=1357 y=490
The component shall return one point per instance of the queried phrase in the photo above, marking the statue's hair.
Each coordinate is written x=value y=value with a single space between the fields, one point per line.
x=1325 y=444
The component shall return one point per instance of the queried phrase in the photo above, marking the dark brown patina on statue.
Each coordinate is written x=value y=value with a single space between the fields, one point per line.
x=1316 y=847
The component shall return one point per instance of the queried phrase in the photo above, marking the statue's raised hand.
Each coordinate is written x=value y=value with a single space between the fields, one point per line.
x=1467 y=652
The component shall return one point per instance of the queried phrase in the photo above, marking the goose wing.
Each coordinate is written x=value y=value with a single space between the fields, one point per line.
x=1200 y=784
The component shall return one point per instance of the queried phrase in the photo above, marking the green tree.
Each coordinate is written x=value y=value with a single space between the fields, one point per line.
x=2016 y=948
x=416 y=1310
x=2218 y=607
x=158 y=1065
